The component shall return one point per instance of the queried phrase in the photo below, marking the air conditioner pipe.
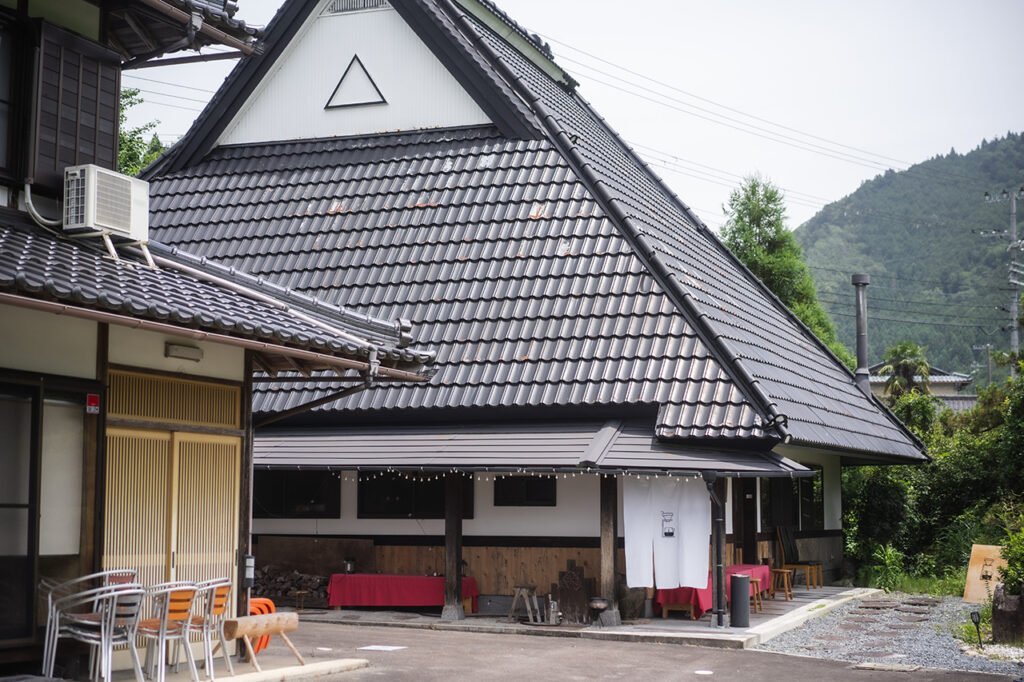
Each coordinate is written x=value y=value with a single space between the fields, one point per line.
x=35 y=215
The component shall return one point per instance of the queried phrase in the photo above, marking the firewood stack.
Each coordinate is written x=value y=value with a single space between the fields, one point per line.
x=281 y=587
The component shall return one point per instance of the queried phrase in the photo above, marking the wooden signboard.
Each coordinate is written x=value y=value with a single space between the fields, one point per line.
x=983 y=573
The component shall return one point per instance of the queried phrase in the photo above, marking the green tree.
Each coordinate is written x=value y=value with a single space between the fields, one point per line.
x=133 y=152
x=907 y=368
x=756 y=232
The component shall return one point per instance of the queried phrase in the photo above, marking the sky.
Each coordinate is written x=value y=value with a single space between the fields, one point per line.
x=815 y=96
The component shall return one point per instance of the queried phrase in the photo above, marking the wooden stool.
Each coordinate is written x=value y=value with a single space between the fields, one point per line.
x=300 y=599
x=755 y=599
x=527 y=592
x=781 y=580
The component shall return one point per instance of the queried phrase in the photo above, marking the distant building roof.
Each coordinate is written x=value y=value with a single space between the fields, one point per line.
x=936 y=375
x=542 y=258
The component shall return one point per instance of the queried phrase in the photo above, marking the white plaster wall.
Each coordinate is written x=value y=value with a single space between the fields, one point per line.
x=289 y=102
x=577 y=514
x=60 y=509
x=34 y=341
x=141 y=348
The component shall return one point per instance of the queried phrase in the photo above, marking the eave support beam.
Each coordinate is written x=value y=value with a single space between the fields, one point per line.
x=609 y=549
x=453 y=547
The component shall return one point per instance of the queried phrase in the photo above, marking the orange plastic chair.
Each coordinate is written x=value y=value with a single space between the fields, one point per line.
x=257 y=606
x=170 y=615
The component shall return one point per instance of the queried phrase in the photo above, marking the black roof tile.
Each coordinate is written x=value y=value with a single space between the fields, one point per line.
x=548 y=270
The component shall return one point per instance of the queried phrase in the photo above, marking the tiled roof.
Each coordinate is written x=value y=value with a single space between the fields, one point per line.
x=553 y=271
x=492 y=247
x=37 y=263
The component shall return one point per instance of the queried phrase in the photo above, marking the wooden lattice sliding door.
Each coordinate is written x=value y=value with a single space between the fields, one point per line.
x=206 y=524
x=138 y=504
x=172 y=496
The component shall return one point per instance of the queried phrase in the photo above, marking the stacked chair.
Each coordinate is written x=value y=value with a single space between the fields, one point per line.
x=105 y=610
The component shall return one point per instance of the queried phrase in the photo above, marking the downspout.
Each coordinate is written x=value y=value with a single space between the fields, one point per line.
x=862 y=376
x=718 y=542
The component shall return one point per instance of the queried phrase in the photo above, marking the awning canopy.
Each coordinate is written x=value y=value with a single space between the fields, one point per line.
x=608 y=447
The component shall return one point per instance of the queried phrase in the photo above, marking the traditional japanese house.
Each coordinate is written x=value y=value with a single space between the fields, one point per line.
x=125 y=365
x=431 y=160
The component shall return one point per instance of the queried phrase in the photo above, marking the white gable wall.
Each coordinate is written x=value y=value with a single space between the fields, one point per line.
x=290 y=102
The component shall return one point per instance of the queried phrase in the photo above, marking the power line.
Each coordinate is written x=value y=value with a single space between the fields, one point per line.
x=921 y=322
x=942 y=304
x=174 y=85
x=884 y=164
x=919 y=314
x=720 y=105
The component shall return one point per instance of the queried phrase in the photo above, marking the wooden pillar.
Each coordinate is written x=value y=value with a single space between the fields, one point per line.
x=452 y=547
x=609 y=549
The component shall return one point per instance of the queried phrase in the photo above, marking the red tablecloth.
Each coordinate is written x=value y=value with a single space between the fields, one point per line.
x=701 y=598
x=372 y=589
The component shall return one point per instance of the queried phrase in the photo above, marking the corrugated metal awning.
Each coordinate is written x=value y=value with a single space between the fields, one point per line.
x=612 y=446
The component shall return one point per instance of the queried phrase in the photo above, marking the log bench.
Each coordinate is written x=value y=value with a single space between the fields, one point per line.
x=263 y=625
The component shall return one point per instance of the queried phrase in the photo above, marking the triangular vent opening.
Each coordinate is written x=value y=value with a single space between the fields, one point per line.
x=355 y=88
x=345 y=6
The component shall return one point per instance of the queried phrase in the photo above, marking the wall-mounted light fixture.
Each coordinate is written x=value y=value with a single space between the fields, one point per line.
x=176 y=350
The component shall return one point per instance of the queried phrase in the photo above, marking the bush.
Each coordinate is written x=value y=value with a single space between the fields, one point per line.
x=1012 y=574
x=888 y=567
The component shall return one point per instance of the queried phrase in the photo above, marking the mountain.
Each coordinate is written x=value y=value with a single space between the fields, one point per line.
x=935 y=279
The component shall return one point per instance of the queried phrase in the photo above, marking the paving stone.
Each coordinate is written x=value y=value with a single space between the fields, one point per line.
x=902 y=626
x=849 y=627
x=922 y=601
x=913 y=609
x=913 y=619
x=878 y=604
x=876 y=643
x=862 y=619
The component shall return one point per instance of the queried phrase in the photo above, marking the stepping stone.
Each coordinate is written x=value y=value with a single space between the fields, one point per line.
x=849 y=627
x=913 y=619
x=862 y=619
x=902 y=626
x=878 y=604
x=922 y=601
x=913 y=609
x=876 y=643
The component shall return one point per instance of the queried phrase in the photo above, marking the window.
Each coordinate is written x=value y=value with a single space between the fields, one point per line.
x=386 y=495
x=525 y=491
x=296 y=495
x=812 y=500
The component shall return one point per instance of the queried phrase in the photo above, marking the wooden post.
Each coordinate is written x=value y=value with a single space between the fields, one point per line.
x=452 y=547
x=609 y=542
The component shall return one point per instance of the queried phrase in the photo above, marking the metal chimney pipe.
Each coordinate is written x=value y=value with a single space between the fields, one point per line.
x=860 y=283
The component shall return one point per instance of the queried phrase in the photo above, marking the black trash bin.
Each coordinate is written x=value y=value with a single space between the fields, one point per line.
x=739 y=595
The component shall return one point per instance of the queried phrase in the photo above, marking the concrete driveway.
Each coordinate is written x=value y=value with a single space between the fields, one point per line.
x=444 y=656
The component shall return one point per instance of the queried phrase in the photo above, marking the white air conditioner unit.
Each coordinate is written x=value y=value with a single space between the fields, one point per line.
x=97 y=199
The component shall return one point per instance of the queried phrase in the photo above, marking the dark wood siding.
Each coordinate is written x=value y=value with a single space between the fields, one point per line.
x=76 y=106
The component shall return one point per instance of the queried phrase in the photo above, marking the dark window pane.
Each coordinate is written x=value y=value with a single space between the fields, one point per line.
x=296 y=495
x=812 y=502
x=384 y=495
x=525 y=491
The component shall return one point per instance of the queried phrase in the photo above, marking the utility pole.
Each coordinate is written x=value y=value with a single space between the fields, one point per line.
x=1016 y=273
x=987 y=347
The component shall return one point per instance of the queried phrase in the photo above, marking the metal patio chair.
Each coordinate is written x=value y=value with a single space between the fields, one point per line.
x=56 y=590
x=170 y=612
x=212 y=600
x=103 y=617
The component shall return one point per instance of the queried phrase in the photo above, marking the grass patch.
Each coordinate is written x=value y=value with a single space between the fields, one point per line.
x=966 y=632
x=816 y=607
x=950 y=583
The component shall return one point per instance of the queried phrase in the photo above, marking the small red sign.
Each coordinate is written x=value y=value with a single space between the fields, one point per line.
x=92 y=403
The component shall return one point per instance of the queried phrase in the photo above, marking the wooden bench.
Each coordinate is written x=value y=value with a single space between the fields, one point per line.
x=263 y=625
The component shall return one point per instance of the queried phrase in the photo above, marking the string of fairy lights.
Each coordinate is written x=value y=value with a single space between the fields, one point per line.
x=425 y=476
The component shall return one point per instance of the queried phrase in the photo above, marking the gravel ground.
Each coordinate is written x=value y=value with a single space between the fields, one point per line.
x=851 y=633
